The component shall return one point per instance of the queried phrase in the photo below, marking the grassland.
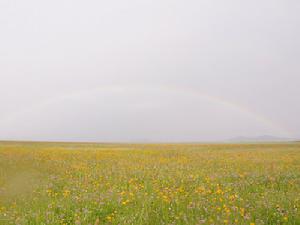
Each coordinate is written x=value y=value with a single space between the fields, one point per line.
x=60 y=183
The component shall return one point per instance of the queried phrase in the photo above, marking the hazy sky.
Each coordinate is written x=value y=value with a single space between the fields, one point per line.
x=172 y=70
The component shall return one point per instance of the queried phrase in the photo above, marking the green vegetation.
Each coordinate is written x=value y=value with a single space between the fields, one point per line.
x=61 y=183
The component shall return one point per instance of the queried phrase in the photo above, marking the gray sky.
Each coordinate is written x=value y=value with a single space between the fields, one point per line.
x=170 y=70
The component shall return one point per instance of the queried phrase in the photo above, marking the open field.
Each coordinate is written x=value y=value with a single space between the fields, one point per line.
x=60 y=183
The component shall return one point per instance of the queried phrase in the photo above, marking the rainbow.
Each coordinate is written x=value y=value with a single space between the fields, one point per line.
x=166 y=88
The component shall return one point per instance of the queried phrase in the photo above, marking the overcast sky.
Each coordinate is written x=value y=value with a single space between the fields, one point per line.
x=149 y=70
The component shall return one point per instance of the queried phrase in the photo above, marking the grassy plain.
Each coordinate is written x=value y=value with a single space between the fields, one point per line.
x=68 y=183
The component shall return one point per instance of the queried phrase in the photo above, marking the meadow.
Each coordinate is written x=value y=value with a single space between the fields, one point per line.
x=86 y=183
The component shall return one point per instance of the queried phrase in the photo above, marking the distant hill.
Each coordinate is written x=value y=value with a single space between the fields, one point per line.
x=263 y=138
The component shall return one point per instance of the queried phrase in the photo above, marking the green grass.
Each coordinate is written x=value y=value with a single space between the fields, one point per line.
x=85 y=183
